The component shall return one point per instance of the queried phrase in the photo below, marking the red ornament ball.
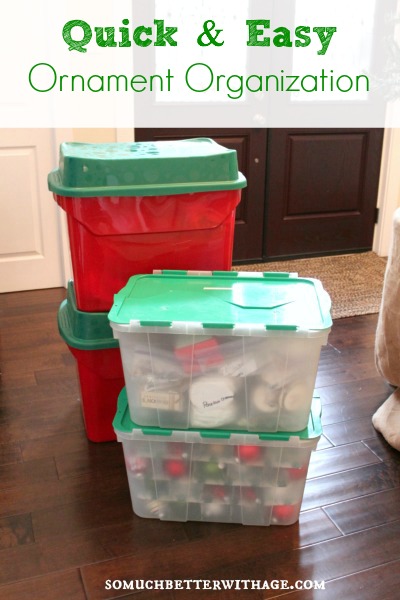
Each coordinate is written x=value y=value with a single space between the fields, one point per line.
x=284 y=513
x=249 y=453
x=175 y=468
x=298 y=473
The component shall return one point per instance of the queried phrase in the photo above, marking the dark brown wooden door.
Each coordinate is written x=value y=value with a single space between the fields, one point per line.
x=251 y=147
x=310 y=191
x=321 y=191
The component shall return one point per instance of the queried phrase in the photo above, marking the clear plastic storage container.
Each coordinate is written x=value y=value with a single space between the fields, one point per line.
x=222 y=476
x=135 y=207
x=221 y=350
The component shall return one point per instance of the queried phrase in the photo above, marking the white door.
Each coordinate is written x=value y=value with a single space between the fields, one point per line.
x=32 y=235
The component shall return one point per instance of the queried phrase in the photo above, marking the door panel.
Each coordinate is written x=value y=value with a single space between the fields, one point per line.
x=321 y=191
x=251 y=146
x=310 y=191
x=30 y=250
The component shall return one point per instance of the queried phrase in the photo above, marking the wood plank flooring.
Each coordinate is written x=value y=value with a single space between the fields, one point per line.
x=66 y=523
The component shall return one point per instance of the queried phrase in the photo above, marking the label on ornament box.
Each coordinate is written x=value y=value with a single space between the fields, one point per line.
x=212 y=393
x=237 y=367
x=162 y=400
x=217 y=401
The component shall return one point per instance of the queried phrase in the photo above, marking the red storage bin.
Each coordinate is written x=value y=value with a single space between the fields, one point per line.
x=101 y=380
x=90 y=339
x=133 y=208
x=113 y=238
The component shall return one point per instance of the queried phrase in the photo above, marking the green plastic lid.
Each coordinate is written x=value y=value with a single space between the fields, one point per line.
x=123 y=424
x=223 y=300
x=84 y=330
x=145 y=168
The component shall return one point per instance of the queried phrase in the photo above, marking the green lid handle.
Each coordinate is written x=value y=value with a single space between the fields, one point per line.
x=279 y=275
x=225 y=274
x=279 y=436
x=215 y=434
x=173 y=272
x=281 y=327
x=155 y=323
x=156 y=431
x=218 y=325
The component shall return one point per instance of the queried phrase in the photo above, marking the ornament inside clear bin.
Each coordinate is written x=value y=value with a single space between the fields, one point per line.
x=249 y=454
x=175 y=468
x=284 y=514
x=138 y=466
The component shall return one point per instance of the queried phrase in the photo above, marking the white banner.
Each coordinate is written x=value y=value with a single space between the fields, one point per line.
x=213 y=63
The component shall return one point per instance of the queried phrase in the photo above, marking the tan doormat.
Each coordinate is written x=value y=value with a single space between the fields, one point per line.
x=353 y=281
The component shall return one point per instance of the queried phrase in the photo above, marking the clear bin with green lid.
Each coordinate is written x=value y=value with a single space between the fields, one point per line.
x=90 y=340
x=221 y=349
x=217 y=475
x=135 y=207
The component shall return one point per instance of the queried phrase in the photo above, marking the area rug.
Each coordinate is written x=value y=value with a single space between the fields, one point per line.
x=353 y=281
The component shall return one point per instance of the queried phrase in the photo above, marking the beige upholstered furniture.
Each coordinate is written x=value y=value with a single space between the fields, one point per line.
x=386 y=420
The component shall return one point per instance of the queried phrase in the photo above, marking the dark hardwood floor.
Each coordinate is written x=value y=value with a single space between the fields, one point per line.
x=66 y=523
